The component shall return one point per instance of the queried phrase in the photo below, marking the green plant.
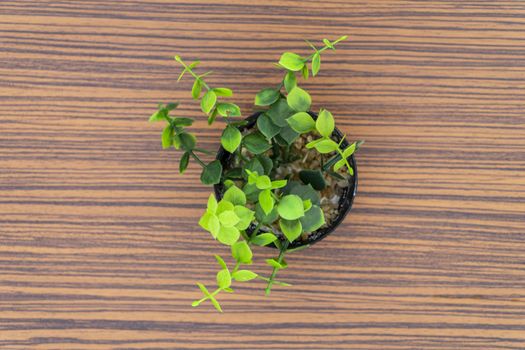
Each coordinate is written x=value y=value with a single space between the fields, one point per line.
x=260 y=206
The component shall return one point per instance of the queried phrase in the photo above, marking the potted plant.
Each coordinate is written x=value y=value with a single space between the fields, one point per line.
x=285 y=177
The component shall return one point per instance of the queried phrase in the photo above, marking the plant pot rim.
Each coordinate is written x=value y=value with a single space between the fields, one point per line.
x=345 y=202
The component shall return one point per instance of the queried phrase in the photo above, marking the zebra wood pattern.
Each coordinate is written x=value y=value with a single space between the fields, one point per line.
x=99 y=243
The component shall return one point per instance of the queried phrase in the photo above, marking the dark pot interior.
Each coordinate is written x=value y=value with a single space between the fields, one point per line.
x=345 y=203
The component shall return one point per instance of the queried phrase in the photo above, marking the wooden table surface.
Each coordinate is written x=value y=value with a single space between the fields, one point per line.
x=99 y=242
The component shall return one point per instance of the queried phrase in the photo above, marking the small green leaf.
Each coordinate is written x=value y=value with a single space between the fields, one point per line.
x=301 y=122
x=228 y=218
x=212 y=116
x=299 y=100
x=307 y=205
x=280 y=111
x=266 y=97
x=208 y=101
x=216 y=303
x=160 y=114
x=256 y=143
x=325 y=123
x=304 y=72
x=244 y=275
x=224 y=279
x=187 y=141
x=326 y=146
x=183 y=163
x=266 y=201
x=278 y=184
x=167 y=133
x=177 y=121
x=228 y=290
x=349 y=150
x=231 y=138
x=242 y=252
x=267 y=127
x=263 y=182
x=275 y=263
x=314 y=178
x=288 y=134
x=211 y=174
x=196 y=89
x=235 y=195
x=339 y=164
x=291 y=61
x=223 y=92
x=228 y=109
x=245 y=215
x=210 y=222
x=312 y=144
x=306 y=192
x=290 y=207
x=255 y=166
x=224 y=205
x=264 y=218
x=264 y=239
x=328 y=44
x=212 y=204
x=291 y=228
x=221 y=262
x=314 y=220
x=228 y=235
x=290 y=81
x=316 y=63
x=266 y=163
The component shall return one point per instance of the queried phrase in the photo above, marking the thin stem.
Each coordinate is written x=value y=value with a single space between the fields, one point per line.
x=193 y=74
x=196 y=157
x=255 y=232
x=275 y=269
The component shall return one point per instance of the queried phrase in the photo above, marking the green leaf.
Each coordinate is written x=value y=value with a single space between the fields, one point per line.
x=278 y=184
x=256 y=143
x=291 y=61
x=291 y=228
x=266 y=97
x=288 y=134
x=177 y=121
x=266 y=201
x=264 y=218
x=349 y=150
x=312 y=144
x=210 y=222
x=266 y=163
x=212 y=116
x=215 y=303
x=325 y=123
x=314 y=220
x=264 y=239
x=301 y=122
x=275 y=263
x=263 y=182
x=314 y=178
x=253 y=165
x=290 y=81
x=223 y=206
x=242 y=252
x=304 y=72
x=290 y=207
x=221 y=262
x=244 y=275
x=267 y=127
x=316 y=63
x=328 y=44
x=224 y=279
x=184 y=161
x=245 y=215
x=160 y=114
x=231 y=138
x=228 y=109
x=299 y=100
x=306 y=192
x=307 y=205
x=339 y=164
x=280 y=111
x=208 y=101
x=187 y=141
x=196 y=89
x=166 y=136
x=223 y=92
x=211 y=174
x=235 y=195
x=228 y=235
x=228 y=218
x=212 y=204
x=326 y=146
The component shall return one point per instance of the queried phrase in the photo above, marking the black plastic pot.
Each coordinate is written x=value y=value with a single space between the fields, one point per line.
x=345 y=202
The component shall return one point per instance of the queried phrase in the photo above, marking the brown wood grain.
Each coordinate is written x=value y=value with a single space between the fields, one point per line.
x=99 y=242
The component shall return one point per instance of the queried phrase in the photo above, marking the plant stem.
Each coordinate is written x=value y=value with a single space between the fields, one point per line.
x=194 y=75
x=196 y=157
x=255 y=231
x=275 y=269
